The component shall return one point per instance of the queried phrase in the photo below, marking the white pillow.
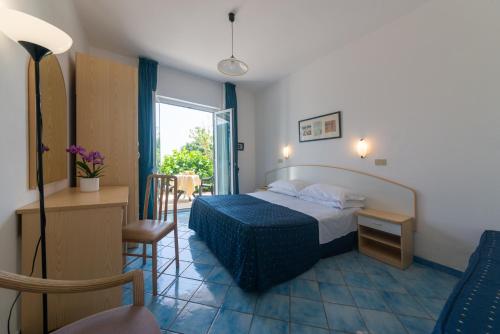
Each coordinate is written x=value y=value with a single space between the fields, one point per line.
x=329 y=193
x=334 y=204
x=288 y=187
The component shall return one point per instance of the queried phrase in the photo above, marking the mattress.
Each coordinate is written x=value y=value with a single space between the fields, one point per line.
x=332 y=223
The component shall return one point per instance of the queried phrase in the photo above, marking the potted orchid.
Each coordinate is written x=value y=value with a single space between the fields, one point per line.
x=89 y=167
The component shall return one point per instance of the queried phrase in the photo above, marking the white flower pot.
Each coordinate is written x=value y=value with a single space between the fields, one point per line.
x=88 y=185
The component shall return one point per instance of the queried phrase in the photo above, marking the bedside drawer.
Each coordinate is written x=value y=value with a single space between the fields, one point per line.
x=380 y=225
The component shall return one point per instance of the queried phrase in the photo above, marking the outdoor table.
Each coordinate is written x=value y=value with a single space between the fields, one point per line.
x=187 y=183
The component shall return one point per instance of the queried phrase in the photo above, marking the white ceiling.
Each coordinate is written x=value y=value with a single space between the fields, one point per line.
x=274 y=37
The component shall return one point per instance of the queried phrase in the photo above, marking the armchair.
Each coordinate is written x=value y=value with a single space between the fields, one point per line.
x=129 y=319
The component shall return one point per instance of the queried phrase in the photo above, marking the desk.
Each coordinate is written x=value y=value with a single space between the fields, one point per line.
x=84 y=241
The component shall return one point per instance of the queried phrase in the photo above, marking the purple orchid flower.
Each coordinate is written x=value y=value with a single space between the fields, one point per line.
x=87 y=157
x=99 y=161
x=94 y=157
x=91 y=164
x=76 y=149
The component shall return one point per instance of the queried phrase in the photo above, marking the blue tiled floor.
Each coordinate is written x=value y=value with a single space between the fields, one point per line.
x=349 y=293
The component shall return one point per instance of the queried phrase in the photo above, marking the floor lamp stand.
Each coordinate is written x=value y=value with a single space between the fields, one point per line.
x=37 y=52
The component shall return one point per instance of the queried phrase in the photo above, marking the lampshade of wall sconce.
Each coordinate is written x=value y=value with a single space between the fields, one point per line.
x=286 y=152
x=362 y=148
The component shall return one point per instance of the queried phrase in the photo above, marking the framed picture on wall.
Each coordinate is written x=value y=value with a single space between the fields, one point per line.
x=322 y=127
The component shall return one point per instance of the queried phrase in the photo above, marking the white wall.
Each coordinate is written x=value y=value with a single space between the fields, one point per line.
x=14 y=191
x=246 y=135
x=188 y=87
x=424 y=90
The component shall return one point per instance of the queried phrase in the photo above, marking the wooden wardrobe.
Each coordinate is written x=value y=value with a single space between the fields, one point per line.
x=106 y=120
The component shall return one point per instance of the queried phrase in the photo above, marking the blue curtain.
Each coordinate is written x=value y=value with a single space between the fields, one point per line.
x=148 y=76
x=232 y=103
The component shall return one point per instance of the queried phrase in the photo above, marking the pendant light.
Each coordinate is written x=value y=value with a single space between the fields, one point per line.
x=232 y=66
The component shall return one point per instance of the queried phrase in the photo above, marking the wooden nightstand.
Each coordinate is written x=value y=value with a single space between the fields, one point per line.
x=386 y=236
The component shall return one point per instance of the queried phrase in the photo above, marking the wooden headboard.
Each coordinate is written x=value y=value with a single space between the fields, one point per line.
x=381 y=194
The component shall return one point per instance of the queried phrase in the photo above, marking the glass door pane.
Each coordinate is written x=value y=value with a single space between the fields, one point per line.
x=223 y=162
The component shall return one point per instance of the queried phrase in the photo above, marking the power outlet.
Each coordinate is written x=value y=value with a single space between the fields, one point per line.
x=380 y=162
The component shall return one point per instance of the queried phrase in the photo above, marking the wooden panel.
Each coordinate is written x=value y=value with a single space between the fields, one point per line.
x=383 y=215
x=81 y=244
x=407 y=244
x=55 y=121
x=107 y=119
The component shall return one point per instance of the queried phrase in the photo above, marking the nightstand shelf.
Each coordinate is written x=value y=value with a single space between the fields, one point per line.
x=380 y=237
x=386 y=236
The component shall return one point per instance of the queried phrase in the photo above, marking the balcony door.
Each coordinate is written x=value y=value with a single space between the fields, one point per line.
x=223 y=144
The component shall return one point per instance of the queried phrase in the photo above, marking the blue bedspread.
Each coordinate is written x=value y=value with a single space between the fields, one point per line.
x=260 y=243
x=474 y=305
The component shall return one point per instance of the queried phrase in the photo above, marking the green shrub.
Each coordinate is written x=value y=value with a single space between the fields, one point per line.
x=186 y=160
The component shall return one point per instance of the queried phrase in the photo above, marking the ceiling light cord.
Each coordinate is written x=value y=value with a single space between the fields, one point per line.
x=231 y=19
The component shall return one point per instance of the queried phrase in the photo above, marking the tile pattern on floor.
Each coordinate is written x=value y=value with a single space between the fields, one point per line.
x=348 y=293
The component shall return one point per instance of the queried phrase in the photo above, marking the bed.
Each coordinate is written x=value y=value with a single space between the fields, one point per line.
x=474 y=304
x=337 y=228
x=265 y=238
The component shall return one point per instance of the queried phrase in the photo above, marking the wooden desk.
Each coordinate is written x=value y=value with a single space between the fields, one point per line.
x=84 y=241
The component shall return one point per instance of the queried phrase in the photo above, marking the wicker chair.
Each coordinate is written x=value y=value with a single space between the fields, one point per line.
x=206 y=184
x=129 y=319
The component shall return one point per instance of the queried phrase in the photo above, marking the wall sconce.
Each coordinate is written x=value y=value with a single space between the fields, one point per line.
x=286 y=152
x=362 y=148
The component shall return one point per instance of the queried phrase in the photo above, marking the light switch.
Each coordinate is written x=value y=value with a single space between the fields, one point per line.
x=380 y=162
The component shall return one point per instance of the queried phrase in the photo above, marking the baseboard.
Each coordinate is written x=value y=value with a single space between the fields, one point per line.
x=437 y=266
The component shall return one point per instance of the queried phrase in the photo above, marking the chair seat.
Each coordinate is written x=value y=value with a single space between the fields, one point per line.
x=122 y=320
x=146 y=230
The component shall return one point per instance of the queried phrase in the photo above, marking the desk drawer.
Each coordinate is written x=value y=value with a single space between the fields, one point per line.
x=380 y=225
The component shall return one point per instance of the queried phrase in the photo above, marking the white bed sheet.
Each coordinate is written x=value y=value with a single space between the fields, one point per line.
x=333 y=223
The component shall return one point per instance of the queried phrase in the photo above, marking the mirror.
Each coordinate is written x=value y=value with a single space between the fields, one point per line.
x=55 y=121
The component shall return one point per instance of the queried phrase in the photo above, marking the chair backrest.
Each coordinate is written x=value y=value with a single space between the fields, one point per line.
x=159 y=186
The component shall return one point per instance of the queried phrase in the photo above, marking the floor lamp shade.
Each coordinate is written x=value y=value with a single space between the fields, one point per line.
x=22 y=27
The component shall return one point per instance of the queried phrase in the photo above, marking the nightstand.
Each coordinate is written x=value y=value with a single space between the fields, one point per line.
x=386 y=236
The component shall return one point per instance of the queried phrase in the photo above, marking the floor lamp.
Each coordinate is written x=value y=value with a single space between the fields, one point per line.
x=40 y=39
